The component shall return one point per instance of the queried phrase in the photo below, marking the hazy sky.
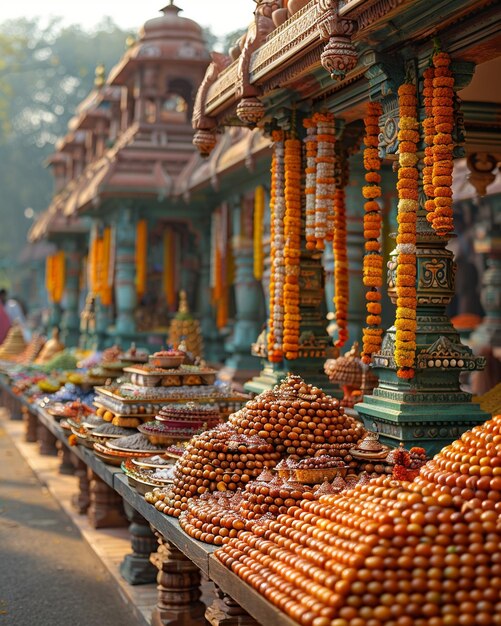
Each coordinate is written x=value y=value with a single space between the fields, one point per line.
x=222 y=16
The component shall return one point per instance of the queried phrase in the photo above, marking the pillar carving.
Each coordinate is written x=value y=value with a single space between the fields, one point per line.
x=31 y=425
x=46 y=440
x=125 y=275
x=105 y=505
x=136 y=568
x=224 y=611
x=67 y=465
x=81 y=500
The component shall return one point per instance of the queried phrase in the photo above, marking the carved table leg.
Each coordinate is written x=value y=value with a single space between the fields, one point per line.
x=105 y=509
x=31 y=423
x=136 y=568
x=67 y=466
x=47 y=441
x=224 y=611
x=178 y=588
x=15 y=409
x=81 y=500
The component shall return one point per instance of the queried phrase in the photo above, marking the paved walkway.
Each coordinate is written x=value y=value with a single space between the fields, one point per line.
x=49 y=576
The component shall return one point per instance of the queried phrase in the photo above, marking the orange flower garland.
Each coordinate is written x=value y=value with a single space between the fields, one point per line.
x=106 y=282
x=169 y=268
x=292 y=250
x=339 y=245
x=258 y=232
x=373 y=259
x=429 y=133
x=407 y=186
x=443 y=146
x=310 y=142
x=277 y=242
x=141 y=257
x=324 y=183
x=55 y=276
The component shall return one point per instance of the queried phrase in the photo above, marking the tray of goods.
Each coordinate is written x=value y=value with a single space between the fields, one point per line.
x=370 y=449
x=81 y=433
x=175 y=451
x=92 y=421
x=129 y=420
x=134 y=443
x=214 y=518
x=65 y=426
x=167 y=358
x=318 y=469
x=68 y=409
x=295 y=416
x=115 y=457
x=218 y=460
x=175 y=422
x=155 y=462
x=148 y=477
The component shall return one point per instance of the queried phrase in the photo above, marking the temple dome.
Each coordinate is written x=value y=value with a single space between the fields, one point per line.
x=172 y=27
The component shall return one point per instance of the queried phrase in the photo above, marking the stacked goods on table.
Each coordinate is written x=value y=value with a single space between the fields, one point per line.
x=421 y=553
x=180 y=422
x=216 y=460
x=13 y=344
x=32 y=350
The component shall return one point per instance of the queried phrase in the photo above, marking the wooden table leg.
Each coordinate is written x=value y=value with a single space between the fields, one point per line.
x=178 y=588
x=31 y=424
x=46 y=440
x=224 y=611
x=67 y=466
x=136 y=568
x=81 y=500
x=105 y=509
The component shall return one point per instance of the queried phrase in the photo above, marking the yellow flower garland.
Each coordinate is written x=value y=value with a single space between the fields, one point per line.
x=106 y=290
x=373 y=259
x=141 y=257
x=407 y=186
x=258 y=232
x=292 y=250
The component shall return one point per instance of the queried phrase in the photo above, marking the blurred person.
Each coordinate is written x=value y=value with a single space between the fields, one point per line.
x=5 y=323
x=15 y=313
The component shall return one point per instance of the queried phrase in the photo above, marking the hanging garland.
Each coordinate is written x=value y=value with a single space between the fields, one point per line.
x=324 y=183
x=373 y=259
x=443 y=145
x=222 y=265
x=292 y=249
x=49 y=277
x=55 y=276
x=277 y=273
x=106 y=291
x=429 y=134
x=310 y=142
x=339 y=246
x=141 y=257
x=407 y=186
x=258 y=232
x=169 y=268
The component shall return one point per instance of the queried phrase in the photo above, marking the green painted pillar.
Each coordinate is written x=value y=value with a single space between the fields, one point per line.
x=70 y=320
x=213 y=345
x=125 y=329
x=249 y=299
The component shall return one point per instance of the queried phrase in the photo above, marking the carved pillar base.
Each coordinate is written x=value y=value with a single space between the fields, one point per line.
x=136 y=568
x=31 y=425
x=224 y=611
x=47 y=441
x=178 y=588
x=105 y=508
x=67 y=466
x=14 y=407
x=81 y=500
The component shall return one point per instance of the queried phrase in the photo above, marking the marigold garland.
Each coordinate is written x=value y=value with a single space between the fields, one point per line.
x=407 y=186
x=324 y=182
x=443 y=123
x=141 y=257
x=340 y=252
x=292 y=249
x=429 y=133
x=373 y=259
x=277 y=244
x=169 y=272
x=258 y=232
x=310 y=142
x=105 y=279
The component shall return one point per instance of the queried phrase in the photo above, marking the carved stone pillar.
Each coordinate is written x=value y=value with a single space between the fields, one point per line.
x=47 y=441
x=31 y=423
x=125 y=276
x=105 y=507
x=81 y=500
x=67 y=465
x=224 y=611
x=178 y=588
x=70 y=320
x=136 y=568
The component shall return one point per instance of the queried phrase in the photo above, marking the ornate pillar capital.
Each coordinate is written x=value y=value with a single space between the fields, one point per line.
x=339 y=55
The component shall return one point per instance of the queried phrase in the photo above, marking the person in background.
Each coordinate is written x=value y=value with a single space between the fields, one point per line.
x=5 y=323
x=15 y=313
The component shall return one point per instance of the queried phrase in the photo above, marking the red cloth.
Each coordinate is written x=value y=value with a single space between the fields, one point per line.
x=4 y=323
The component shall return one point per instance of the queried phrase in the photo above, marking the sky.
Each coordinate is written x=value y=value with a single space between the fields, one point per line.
x=223 y=16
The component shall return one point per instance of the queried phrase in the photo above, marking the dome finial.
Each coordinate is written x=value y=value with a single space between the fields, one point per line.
x=171 y=8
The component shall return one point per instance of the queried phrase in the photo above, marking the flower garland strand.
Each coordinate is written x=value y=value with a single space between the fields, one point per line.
x=141 y=257
x=258 y=232
x=443 y=145
x=292 y=249
x=106 y=290
x=324 y=183
x=429 y=134
x=373 y=258
x=407 y=186
x=277 y=278
x=310 y=142
x=340 y=252
x=169 y=268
